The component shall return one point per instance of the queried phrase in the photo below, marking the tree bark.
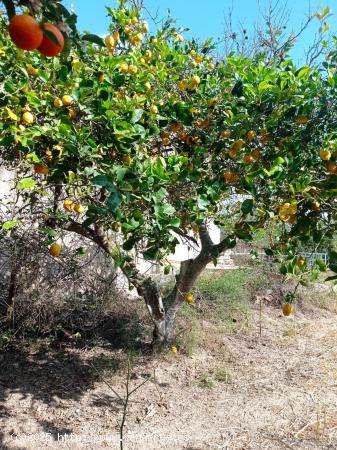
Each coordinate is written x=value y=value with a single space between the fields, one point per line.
x=190 y=270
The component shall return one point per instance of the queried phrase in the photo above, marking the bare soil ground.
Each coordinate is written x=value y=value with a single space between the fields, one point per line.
x=239 y=391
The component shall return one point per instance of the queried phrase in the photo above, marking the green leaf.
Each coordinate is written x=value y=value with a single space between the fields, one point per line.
x=163 y=210
x=230 y=242
x=114 y=201
x=26 y=183
x=93 y=38
x=51 y=36
x=104 y=181
x=167 y=270
x=49 y=231
x=9 y=224
x=247 y=206
x=80 y=251
x=283 y=269
x=129 y=244
x=321 y=265
x=137 y=115
x=203 y=202
x=151 y=253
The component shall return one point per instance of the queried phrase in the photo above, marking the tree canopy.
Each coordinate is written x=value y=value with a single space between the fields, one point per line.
x=145 y=137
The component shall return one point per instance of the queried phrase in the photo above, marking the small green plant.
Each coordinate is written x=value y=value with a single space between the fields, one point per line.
x=291 y=330
x=205 y=382
x=222 y=375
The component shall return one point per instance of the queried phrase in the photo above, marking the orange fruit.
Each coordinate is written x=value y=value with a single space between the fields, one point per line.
x=195 y=80
x=182 y=84
x=28 y=118
x=79 y=208
x=256 y=155
x=238 y=144
x=127 y=159
x=55 y=249
x=133 y=70
x=175 y=126
x=58 y=102
x=115 y=35
x=67 y=100
x=316 y=206
x=331 y=167
x=230 y=177
x=324 y=154
x=225 y=134
x=25 y=32
x=109 y=41
x=302 y=120
x=189 y=298
x=233 y=153
x=248 y=159
x=41 y=169
x=32 y=70
x=251 y=135
x=49 y=48
x=204 y=123
x=287 y=309
x=68 y=205
x=301 y=261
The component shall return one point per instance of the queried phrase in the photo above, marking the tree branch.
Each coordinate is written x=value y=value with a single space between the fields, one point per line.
x=222 y=246
x=10 y=8
x=205 y=238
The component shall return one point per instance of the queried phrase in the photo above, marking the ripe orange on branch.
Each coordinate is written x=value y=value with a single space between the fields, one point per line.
x=301 y=261
x=25 y=32
x=48 y=47
x=331 y=167
x=67 y=100
x=41 y=169
x=28 y=118
x=325 y=154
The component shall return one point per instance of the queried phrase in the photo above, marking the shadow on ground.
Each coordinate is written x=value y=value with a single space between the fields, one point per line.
x=123 y=331
x=65 y=370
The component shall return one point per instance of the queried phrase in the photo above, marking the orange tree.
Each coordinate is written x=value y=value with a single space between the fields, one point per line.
x=135 y=141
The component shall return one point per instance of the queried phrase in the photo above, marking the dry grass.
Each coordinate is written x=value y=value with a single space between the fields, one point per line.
x=239 y=390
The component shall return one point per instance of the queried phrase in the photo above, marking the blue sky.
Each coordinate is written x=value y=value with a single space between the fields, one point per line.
x=206 y=18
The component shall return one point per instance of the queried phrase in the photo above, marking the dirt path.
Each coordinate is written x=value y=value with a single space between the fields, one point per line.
x=237 y=392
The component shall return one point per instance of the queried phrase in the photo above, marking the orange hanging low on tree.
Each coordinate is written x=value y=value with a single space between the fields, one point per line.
x=25 y=32
x=48 y=47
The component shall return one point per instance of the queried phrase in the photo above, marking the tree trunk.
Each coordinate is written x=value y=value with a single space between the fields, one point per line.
x=189 y=273
x=163 y=317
